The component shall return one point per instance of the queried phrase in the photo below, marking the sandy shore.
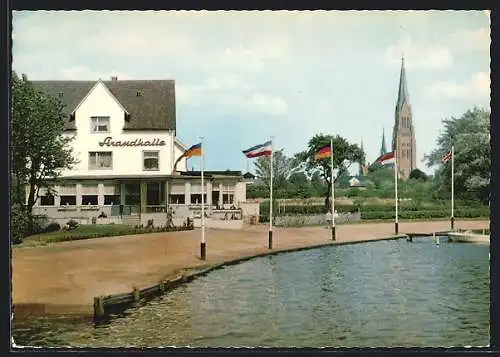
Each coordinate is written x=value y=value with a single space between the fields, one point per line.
x=64 y=277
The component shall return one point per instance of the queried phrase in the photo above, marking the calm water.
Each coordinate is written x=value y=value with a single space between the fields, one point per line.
x=388 y=293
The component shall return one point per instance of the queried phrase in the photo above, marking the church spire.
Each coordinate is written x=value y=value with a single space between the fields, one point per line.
x=403 y=95
x=383 y=147
x=361 y=172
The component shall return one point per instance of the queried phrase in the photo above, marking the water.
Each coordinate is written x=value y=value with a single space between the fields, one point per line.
x=378 y=294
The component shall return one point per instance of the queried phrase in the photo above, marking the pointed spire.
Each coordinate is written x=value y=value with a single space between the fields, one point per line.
x=403 y=95
x=383 y=147
x=361 y=168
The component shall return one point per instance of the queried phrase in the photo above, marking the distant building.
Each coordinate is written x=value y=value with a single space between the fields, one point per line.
x=403 y=137
x=356 y=182
x=383 y=148
x=249 y=178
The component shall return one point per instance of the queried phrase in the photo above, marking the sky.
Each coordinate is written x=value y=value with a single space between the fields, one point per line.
x=244 y=76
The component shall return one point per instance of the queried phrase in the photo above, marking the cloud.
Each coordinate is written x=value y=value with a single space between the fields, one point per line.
x=84 y=73
x=251 y=58
x=256 y=102
x=476 y=88
x=427 y=57
x=232 y=92
x=472 y=40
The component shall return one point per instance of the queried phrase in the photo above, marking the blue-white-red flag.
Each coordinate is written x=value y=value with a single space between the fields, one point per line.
x=387 y=159
x=259 y=150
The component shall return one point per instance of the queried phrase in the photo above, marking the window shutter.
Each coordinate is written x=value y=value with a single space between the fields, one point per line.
x=177 y=189
x=67 y=190
x=110 y=189
x=89 y=189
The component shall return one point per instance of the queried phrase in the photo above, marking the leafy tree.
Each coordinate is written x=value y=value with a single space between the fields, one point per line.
x=382 y=177
x=418 y=174
x=299 y=186
x=281 y=169
x=343 y=179
x=39 y=150
x=344 y=156
x=318 y=184
x=470 y=135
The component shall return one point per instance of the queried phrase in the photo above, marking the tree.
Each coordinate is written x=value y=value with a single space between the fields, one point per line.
x=281 y=169
x=39 y=150
x=382 y=178
x=300 y=186
x=344 y=155
x=418 y=174
x=470 y=135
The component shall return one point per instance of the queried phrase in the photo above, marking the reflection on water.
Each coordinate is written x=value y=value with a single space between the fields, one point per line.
x=387 y=293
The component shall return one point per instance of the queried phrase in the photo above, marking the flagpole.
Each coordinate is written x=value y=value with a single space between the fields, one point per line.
x=203 y=247
x=452 y=187
x=271 y=200
x=333 y=191
x=396 y=189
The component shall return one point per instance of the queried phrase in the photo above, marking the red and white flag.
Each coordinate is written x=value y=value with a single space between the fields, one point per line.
x=446 y=157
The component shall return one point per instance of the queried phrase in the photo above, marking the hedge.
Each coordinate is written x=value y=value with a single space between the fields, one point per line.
x=62 y=236
x=403 y=207
x=410 y=214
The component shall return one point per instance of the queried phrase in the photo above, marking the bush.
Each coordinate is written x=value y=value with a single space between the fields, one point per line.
x=72 y=224
x=19 y=224
x=52 y=227
x=39 y=224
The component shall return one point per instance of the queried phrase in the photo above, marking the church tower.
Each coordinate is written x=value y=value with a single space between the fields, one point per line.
x=403 y=134
x=362 y=168
x=383 y=147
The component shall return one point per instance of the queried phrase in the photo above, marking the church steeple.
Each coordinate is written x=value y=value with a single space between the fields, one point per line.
x=403 y=135
x=383 y=147
x=361 y=172
x=403 y=94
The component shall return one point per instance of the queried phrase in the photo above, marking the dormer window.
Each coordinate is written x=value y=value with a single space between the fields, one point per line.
x=99 y=124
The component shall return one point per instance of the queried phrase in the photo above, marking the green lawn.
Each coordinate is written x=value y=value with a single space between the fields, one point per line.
x=87 y=231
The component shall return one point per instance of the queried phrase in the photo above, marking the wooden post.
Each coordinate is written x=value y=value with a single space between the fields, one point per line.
x=143 y=191
x=137 y=295
x=162 y=287
x=98 y=306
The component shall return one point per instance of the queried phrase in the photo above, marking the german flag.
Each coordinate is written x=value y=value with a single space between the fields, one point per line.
x=323 y=152
x=194 y=150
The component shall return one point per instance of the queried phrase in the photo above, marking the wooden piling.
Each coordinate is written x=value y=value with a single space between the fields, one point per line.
x=98 y=306
x=136 y=294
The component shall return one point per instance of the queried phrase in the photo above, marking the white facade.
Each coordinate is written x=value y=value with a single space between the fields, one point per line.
x=126 y=160
x=130 y=175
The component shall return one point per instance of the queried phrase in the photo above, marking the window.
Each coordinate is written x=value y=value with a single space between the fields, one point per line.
x=151 y=160
x=68 y=200
x=47 y=200
x=196 y=199
x=100 y=160
x=99 y=124
x=227 y=198
x=113 y=200
x=177 y=199
x=89 y=200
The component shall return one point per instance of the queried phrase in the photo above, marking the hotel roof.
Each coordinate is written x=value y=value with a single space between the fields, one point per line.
x=150 y=104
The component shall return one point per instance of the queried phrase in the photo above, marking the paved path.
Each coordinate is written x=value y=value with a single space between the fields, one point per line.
x=64 y=277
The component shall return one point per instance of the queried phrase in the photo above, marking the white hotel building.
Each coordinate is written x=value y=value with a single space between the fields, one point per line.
x=126 y=146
